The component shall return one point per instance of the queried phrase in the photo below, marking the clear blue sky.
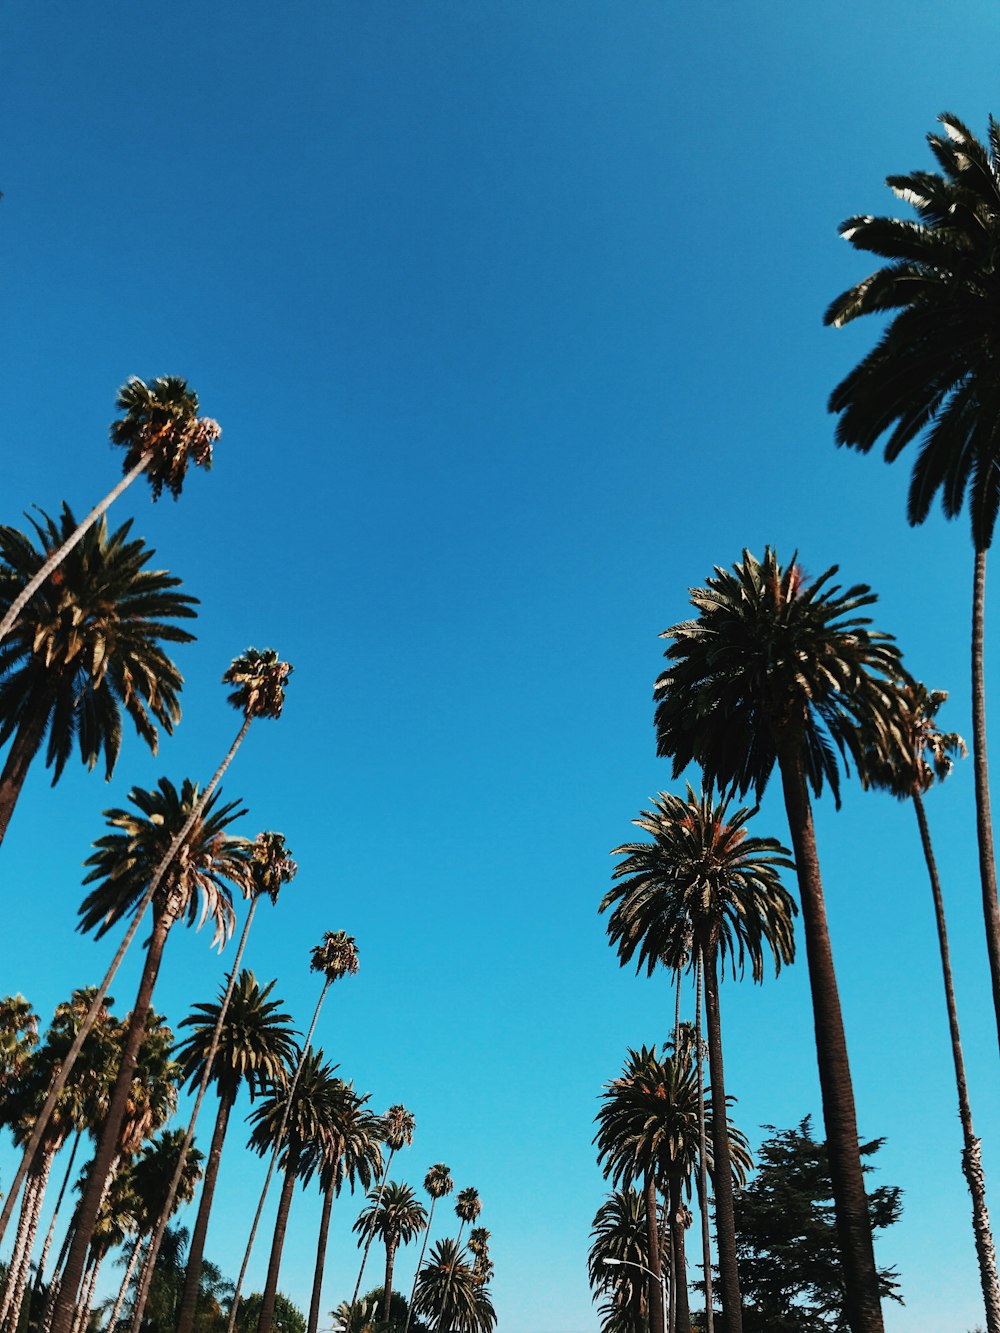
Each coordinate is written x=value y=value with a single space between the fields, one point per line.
x=511 y=315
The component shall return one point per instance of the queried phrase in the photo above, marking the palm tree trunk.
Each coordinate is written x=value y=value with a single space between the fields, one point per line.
x=390 y=1261
x=862 y=1306
x=20 y=1256
x=40 y=1272
x=972 y=1166
x=420 y=1264
x=725 y=1221
x=682 y=1310
x=14 y=1314
x=706 y=1243
x=126 y=1280
x=168 y=1207
x=371 y=1230
x=277 y=1244
x=64 y=1070
x=23 y=749
x=324 y=1232
x=234 y=1309
x=107 y=1150
x=984 y=822
x=654 y=1300
x=59 y=555
x=196 y=1254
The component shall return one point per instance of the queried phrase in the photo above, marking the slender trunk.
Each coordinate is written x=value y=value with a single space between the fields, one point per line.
x=862 y=1307
x=277 y=1244
x=682 y=1310
x=19 y=1257
x=40 y=1273
x=654 y=1299
x=371 y=1230
x=390 y=1262
x=677 y=1011
x=324 y=1232
x=420 y=1264
x=196 y=1254
x=81 y=1315
x=107 y=1149
x=14 y=1314
x=971 y=1157
x=60 y=554
x=722 y=1176
x=64 y=1070
x=279 y=1141
x=166 y=1212
x=23 y=749
x=56 y=1283
x=984 y=822
x=706 y=1243
x=126 y=1280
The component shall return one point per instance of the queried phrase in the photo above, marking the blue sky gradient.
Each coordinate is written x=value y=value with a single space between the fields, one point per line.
x=511 y=315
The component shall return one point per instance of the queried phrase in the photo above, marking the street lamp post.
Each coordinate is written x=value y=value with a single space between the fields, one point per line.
x=658 y=1277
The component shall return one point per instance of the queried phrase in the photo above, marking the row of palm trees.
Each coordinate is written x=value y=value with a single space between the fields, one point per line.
x=83 y=630
x=779 y=671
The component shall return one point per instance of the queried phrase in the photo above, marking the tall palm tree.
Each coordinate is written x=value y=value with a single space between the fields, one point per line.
x=907 y=771
x=932 y=377
x=288 y=1120
x=439 y=1184
x=468 y=1206
x=397 y=1216
x=195 y=885
x=702 y=879
x=349 y=1151
x=479 y=1245
x=448 y=1293
x=18 y=1037
x=780 y=669
x=335 y=956
x=87 y=649
x=260 y=679
x=619 y=1250
x=161 y=433
x=270 y=867
x=254 y=1044
x=398 y=1125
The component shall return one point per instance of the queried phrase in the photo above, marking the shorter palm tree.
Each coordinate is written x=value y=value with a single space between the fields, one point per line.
x=619 y=1252
x=449 y=1295
x=397 y=1216
x=397 y=1131
x=438 y=1183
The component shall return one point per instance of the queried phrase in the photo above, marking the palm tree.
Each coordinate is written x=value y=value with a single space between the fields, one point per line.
x=86 y=650
x=648 y=1131
x=260 y=679
x=439 y=1184
x=254 y=1044
x=932 y=377
x=468 y=1206
x=397 y=1216
x=702 y=880
x=398 y=1125
x=161 y=433
x=121 y=867
x=335 y=956
x=448 y=1293
x=18 y=1037
x=619 y=1251
x=287 y=1121
x=151 y=1180
x=778 y=669
x=907 y=771
x=270 y=867
x=350 y=1151
x=479 y=1245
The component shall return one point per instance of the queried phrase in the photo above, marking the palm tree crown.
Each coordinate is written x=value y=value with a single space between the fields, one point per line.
x=394 y=1213
x=336 y=956
x=933 y=374
x=438 y=1181
x=206 y=865
x=260 y=679
x=773 y=657
x=448 y=1292
x=88 y=645
x=920 y=753
x=398 y=1126
x=271 y=865
x=468 y=1204
x=256 y=1041
x=161 y=423
x=702 y=876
